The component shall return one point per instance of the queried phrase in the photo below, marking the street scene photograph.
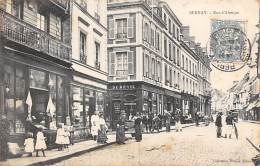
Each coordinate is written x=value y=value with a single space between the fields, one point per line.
x=129 y=83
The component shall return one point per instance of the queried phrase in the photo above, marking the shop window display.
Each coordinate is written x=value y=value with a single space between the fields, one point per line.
x=60 y=99
x=9 y=74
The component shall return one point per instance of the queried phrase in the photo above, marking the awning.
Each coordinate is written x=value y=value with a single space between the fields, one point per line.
x=252 y=105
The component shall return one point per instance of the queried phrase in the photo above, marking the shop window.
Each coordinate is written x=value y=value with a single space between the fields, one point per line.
x=9 y=95
x=77 y=106
x=20 y=98
x=38 y=79
x=60 y=99
x=53 y=91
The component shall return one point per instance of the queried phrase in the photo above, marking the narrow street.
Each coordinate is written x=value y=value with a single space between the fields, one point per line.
x=196 y=146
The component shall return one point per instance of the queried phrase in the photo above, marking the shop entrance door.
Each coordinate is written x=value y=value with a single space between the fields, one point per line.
x=39 y=106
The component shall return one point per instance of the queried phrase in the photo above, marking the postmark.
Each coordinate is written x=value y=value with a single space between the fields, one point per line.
x=228 y=48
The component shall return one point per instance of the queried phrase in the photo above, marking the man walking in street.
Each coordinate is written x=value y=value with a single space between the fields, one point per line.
x=218 y=123
x=230 y=123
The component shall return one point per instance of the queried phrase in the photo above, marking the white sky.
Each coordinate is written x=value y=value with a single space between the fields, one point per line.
x=200 y=26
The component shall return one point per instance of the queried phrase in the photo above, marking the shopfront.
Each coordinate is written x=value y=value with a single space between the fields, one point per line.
x=36 y=95
x=124 y=101
x=85 y=100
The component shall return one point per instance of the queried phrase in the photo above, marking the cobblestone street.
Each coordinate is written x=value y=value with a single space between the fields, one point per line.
x=194 y=146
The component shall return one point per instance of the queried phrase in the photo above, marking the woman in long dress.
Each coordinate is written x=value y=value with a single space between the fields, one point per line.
x=138 y=128
x=102 y=132
x=120 y=131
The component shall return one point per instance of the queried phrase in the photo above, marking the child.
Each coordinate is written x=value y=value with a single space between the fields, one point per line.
x=66 y=137
x=29 y=144
x=40 y=142
x=60 y=137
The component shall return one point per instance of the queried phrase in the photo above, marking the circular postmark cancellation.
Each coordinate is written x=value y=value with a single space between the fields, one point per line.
x=228 y=49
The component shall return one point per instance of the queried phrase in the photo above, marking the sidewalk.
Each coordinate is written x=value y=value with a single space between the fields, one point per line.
x=252 y=121
x=53 y=156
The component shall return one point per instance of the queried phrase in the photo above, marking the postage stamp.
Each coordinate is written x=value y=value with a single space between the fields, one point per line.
x=228 y=48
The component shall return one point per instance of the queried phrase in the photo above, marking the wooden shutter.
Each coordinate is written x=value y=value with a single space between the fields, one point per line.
x=130 y=57
x=55 y=26
x=111 y=26
x=112 y=64
x=130 y=27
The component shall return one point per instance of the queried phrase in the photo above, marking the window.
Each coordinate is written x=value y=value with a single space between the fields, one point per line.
x=170 y=50
x=170 y=26
x=178 y=57
x=173 y=31
x=164 y=17
x=83 y=57
x=179 y=80
x=121 y=60
x=166 y=76
x=121 y=64
x=152 y=37
x=97 y=47
x=186 y=64
x=158 y=41
x=183 y=61
x=174 y=78
x=189 y=66
x=178 y=35
x=146 y=66
x=165 y=47
x=159 y=71
x=121 y=25
x=170 y=77
x=146 y=32
x=174 y=58
x=97 y=12
x=153 y=68
x=55 y=26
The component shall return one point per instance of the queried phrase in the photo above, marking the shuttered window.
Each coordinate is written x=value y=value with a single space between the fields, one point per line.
x=55 y=26
x=130 y=63
x=130 y=25
x=111 y=30
x=112 y=64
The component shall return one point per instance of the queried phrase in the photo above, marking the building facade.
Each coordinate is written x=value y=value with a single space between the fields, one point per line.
x=151 y=69
x=35 y=65
x=89 y=64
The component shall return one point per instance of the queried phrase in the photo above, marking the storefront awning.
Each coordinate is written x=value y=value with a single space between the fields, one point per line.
x=252 y=105
x=173 y=94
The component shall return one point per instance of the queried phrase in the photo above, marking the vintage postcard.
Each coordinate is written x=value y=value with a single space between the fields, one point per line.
x=129 y=82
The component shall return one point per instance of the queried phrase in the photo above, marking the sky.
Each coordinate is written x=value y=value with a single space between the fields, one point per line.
x=200 y=26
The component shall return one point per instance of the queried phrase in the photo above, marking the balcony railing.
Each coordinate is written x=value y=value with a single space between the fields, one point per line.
x=18 y=31
x=121 y=72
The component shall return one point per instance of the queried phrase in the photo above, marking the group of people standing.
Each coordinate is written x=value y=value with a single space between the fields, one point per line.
x=99 y=128
x=230 y=125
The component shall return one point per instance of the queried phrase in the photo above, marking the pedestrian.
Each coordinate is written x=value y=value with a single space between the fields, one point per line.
x=138 y=128
x=150 y=122
x=230 y=125
x=60 y=137
x=29 y=144
x=179 y=120
x=120 y=131
x=218 y=124
x=168 y=121
x=95 y=125
x=66 y=137
x=4 y=136
x=156 y=121
x=40 y=142
x=102 y=132
x=197 y=118
x=145 y=122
